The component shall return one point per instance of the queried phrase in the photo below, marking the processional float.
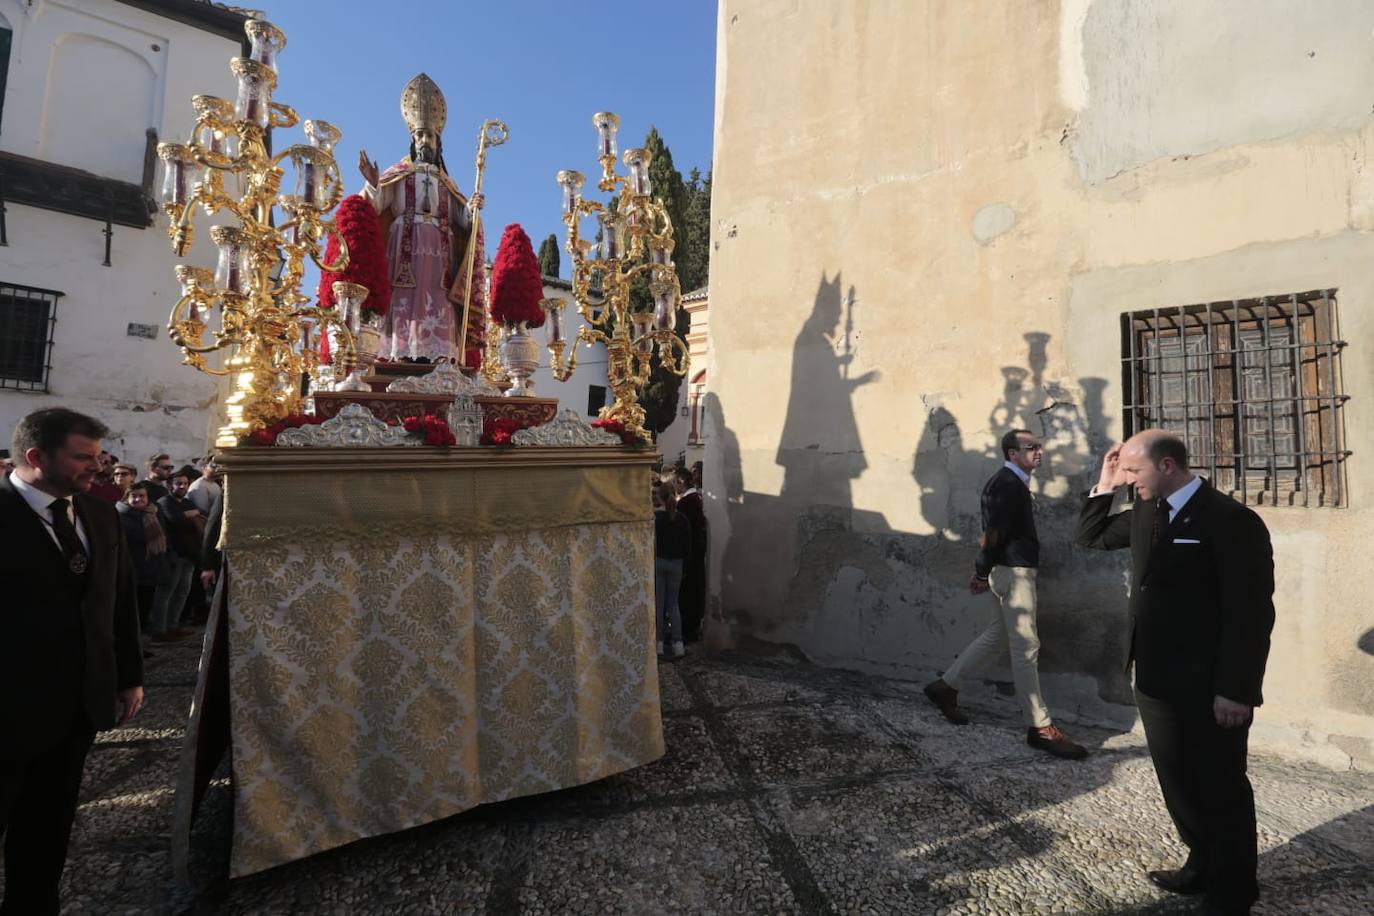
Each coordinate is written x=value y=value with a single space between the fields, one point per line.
x=404 y=629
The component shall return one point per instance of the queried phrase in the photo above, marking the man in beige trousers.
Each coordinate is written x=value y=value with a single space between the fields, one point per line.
x=1006 y=567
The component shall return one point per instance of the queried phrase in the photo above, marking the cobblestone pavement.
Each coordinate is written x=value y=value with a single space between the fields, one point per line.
x=786 y=789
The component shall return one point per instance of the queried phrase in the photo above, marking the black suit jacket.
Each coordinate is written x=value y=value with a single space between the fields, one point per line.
x=1202 y=600
x=1009 y=537
x=56 y=658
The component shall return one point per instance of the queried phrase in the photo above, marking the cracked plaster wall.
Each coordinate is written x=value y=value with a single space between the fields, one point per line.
x=927 y=221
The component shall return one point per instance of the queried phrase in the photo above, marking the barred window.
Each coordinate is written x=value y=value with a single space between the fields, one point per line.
x=27 y=316
x=1254 y=388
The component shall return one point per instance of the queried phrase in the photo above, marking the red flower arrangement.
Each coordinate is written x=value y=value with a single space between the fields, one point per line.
x=516 y=283
x=358 y=224
x=432 y=429
x=617 y=428
x=268 y=434
x=499 y=430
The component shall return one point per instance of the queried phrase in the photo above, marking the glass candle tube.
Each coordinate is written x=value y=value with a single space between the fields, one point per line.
x=661 y=253
x=231 y=270
x=610 y=237
x=641 y=322
x=571 y=182
x=265 y=42
x=256 y=82
x=637 y=162
x=348 y=298
x=322 y=135
x=180 y=172
x=665 y=311
x=606 y=125
x=553 y=325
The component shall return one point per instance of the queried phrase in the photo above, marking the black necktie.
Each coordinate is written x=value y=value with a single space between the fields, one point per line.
x=66 y=535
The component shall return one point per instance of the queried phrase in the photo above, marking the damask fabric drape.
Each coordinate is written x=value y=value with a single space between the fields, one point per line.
x=386 y=674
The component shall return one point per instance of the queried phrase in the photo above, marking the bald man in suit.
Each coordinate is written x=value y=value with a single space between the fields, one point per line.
x=1201 y=613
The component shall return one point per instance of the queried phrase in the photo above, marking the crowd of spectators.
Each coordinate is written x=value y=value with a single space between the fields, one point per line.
x=164 y=516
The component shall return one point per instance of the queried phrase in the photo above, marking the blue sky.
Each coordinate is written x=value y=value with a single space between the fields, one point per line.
x=543 y=67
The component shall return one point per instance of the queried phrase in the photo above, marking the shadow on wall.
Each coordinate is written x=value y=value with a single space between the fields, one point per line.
x=806 y=568
x=1366 y=642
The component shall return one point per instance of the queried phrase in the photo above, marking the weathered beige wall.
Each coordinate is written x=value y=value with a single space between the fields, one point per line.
x=928 y=216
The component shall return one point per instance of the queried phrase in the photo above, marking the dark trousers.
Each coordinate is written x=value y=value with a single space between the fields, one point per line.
x=38 y=793
x=1201 y=770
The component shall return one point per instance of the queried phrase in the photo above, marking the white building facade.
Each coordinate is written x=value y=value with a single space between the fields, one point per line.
x=685 y=438
x=586 y=390
x=86 y=283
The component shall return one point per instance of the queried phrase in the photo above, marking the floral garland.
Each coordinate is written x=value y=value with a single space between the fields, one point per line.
x=499 y=430
x=615 y=427
x=433 y=430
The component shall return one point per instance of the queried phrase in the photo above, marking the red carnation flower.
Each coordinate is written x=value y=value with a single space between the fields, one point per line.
x=411 y=424
x=516 y=284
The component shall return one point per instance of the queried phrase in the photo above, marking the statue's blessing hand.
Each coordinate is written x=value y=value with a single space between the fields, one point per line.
x=367 y=168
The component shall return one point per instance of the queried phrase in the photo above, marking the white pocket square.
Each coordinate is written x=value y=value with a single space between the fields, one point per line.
x=1186 y=541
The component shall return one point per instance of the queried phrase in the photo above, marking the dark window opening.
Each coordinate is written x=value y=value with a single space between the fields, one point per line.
x=27 y=316
x=1254 y=388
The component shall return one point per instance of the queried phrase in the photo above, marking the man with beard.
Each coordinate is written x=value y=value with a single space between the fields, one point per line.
x=428 y=228
x=70 y=659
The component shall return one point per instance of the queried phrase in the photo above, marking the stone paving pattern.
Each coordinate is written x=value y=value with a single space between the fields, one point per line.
x=786 y=788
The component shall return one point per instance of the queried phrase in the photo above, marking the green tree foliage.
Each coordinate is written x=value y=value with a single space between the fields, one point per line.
x=548 y=256
x=694 y=253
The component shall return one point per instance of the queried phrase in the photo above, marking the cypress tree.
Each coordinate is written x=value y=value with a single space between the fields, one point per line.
x=548 y=256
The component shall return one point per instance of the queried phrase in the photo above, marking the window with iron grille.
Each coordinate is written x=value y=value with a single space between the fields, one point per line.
x=27 y=316
x=1253 y=386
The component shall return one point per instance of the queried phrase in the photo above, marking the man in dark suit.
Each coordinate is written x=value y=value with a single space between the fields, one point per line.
x=692 y=595
x=1006 y=566
x=1201 y=613
x=70 y=658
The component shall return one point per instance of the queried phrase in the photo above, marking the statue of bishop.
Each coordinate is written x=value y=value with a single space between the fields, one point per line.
x=427 y=223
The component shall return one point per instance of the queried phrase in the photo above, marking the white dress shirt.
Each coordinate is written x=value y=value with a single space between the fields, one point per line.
x=39 y=501
x=1025 y=478
x=1179 y=498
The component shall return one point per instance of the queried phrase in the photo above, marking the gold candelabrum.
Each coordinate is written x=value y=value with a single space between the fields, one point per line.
x=266 y=326
x=636 y=240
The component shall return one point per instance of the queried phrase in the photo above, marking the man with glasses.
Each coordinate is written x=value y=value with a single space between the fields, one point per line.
x=159 y=477
x=1006 y=567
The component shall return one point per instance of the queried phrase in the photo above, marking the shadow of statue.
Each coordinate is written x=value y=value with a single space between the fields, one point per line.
x=1366 y=642
x=821 y=452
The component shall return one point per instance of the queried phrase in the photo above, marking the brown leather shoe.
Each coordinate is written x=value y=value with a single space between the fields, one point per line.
x=946 y=699
x=1052 y=740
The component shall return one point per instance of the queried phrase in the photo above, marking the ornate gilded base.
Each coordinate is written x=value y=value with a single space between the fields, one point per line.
x=385 y=405
x=533 y=411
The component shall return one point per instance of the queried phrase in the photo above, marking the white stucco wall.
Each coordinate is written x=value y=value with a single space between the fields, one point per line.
x=981 y=191
x=86 y=81
x=591 y=361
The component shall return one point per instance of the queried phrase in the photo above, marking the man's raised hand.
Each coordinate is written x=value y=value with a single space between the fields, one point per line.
x=1112 y=475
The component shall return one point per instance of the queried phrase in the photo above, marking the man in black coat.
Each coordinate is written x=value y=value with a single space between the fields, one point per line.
x=70 y=659
x=1006 y=566
x=1201 y=613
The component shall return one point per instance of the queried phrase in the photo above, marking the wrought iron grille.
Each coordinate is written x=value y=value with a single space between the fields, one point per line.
x=1253 y=386
x=27 y=316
